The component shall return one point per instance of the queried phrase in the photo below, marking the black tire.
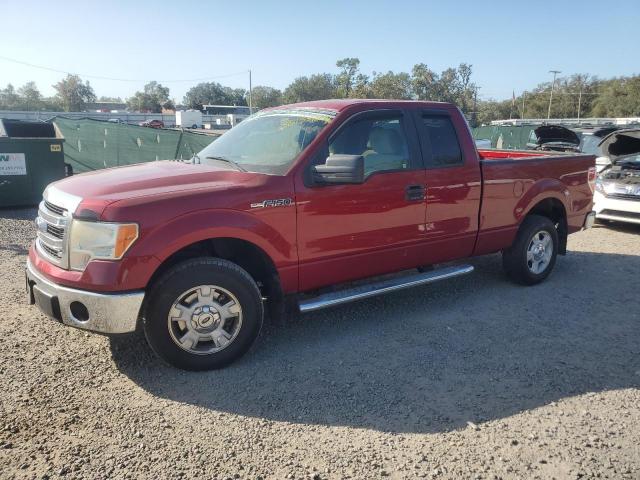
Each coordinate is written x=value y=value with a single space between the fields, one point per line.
x=189 y=274
x=514 y=259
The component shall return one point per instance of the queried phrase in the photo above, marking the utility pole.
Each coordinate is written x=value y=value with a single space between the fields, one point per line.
x=524 y=94
x=579 y=101
x=475 y=107
x=555 y=72
x=250 y=94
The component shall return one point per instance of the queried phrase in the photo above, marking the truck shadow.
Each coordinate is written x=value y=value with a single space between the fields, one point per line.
x=429 y=359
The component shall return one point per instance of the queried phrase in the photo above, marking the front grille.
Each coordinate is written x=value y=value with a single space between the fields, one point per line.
x=52 y=252
x=57 y=232
x=55 y=209
x=624 y=196
x=52 y=223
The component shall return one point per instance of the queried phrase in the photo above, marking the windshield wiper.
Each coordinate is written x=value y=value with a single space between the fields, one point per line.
x=227 y=160
x=195 y=159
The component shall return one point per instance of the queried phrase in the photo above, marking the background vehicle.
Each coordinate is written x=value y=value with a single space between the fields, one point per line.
x=295 y=199
x=189 y=119
x=617 y=195
x=152 y=123
x=590 y=139
x=554 y=138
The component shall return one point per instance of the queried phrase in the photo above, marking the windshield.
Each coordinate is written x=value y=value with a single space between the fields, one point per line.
x=590 y=145
x=268 y=142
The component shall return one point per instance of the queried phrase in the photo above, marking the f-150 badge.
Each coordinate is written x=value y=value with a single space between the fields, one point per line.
x=278 y=202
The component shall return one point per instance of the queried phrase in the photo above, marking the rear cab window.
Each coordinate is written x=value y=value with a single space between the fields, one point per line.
x=439 y=140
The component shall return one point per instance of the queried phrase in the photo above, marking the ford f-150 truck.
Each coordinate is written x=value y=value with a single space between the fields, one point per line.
x=294 y=200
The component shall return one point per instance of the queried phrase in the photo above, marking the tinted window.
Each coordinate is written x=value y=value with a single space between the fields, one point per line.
x=381 y=141
x=442 y=142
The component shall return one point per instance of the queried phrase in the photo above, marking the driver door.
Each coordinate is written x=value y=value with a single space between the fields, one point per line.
x=349 y=231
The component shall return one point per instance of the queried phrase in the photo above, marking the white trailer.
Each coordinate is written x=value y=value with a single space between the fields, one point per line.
x=189 y=119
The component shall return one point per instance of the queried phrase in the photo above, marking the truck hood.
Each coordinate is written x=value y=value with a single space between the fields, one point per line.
x=96 y=190
x=556 y=134
x=621 y=143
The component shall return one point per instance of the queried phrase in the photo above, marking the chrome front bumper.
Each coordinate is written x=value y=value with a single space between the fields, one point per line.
x=99 y=312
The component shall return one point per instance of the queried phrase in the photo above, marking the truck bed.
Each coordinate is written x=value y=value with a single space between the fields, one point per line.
x=514 y=181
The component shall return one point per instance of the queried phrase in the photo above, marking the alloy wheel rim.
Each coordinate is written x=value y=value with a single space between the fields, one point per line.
x=539 y=252
x=205 y=319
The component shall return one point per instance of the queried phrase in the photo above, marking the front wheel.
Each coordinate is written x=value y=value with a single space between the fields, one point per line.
x=203 y=314
x=533 y=254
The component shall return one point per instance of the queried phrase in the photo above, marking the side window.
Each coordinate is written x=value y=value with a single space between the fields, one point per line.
x=381 y=141
x=443 y=141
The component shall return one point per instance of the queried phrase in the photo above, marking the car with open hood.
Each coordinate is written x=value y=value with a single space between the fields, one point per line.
x=554 y=138
x=590 y=138
x=617 y=195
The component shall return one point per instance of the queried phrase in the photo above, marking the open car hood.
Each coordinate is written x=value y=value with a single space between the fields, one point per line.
x=620 y=143
x=556 y=134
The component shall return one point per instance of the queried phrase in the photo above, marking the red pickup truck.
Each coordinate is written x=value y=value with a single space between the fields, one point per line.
x=294 y=199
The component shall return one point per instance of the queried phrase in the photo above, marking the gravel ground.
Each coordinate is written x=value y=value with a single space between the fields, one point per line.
x=473 y=378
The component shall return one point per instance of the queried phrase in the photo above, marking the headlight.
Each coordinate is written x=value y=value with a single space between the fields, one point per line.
x=599 y=185
x=99 y=240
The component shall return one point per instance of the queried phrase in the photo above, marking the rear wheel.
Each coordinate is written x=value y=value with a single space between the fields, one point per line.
x=533 y=254
x=203 y=314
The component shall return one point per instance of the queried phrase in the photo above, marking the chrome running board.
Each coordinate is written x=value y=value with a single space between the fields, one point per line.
x=384 y=286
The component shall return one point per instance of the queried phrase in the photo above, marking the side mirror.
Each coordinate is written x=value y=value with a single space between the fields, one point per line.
x=340 y=169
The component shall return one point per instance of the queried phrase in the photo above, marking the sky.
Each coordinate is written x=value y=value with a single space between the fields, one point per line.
x=511 y=45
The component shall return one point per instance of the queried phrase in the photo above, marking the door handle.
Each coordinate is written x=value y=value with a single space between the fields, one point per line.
x=415 y=193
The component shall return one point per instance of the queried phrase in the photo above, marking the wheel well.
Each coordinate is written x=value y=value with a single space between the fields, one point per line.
x=244 y=254
x=553 y=209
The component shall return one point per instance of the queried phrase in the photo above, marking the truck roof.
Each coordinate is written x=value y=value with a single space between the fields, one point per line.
x=340 y=104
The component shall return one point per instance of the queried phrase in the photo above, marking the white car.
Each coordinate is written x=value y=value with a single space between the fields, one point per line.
x=590 y=139
x=617 y=194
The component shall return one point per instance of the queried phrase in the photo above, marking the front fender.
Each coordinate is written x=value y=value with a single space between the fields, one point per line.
x=274 y=234
x=179 y=232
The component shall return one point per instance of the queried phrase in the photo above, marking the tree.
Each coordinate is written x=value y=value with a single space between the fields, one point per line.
x=346 y=79
x=316 y=87
x=619 y=97
x=361 y=88
x=151 y=99
x=424 y=82
x=452 y=85
x=391 y=86
x=30 y=97
x=235 y=96
x=493 y=110
x=465 y=88
x=9 y=99
x=264 y=97
x=212 y=93
x=110 y=99
x=73 y=94
x=168 y=105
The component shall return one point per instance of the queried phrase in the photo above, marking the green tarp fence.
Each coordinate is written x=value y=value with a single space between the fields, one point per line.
x=507 y=137
x=94 y=144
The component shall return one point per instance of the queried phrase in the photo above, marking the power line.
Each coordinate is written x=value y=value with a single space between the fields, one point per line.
x=98 y=77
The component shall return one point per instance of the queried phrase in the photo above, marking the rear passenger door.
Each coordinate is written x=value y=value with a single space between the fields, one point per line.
x=453 y=184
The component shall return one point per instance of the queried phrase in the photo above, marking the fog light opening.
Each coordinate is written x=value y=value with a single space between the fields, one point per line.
x=79 y=311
